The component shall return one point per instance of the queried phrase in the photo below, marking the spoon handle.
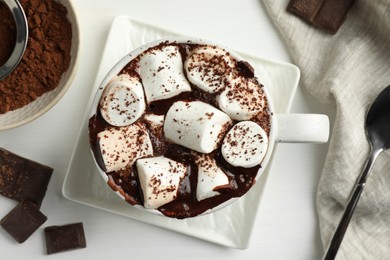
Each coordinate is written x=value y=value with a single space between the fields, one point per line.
x=338 y=236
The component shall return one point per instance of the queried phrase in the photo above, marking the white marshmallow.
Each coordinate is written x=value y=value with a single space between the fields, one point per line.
x=243 y=100
x=121 y=146
x=210 y=177
x=154 y=121
x=195 y=125
x=155 y=124
x=162 y=75
x=245 y=145
x=122 y=101
x=209 y=68
x=159 y=179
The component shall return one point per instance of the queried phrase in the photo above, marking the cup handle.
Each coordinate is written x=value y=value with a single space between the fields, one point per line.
x=302 y=128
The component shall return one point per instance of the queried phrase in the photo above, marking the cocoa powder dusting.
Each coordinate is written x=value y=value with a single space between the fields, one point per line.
x=46 y=58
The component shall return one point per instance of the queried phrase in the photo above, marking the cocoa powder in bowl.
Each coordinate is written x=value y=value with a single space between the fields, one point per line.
x=46 y=58
x=7 y=33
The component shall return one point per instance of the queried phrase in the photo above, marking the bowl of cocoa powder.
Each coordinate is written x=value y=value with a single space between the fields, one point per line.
x=49 y=63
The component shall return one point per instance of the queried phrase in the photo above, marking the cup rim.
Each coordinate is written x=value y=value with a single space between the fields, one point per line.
x=114 y=71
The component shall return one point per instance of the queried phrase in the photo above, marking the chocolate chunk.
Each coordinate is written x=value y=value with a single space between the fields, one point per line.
x=21 y=178
x=306 y=9
x=23 y=221
x=245 y=69
x=332 y=14
x=64 y=238
x=327 y=15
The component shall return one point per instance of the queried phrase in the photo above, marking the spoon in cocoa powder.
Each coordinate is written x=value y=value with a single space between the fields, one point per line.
x=21 y=38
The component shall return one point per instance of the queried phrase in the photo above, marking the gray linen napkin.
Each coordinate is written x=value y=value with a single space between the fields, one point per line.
x=347 y=70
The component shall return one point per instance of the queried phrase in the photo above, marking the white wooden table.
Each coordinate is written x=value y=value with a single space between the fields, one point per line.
x=286 y=225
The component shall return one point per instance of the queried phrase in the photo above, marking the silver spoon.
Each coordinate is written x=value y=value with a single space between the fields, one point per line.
x=21 y=38
x=378 y=132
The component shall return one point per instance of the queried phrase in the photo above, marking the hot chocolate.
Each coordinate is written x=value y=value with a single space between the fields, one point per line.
x=182 y=128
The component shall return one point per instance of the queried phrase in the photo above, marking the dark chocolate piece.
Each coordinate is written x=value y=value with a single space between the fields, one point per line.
x=328 y=15
x=332 y=15
x=21 y=178
x=307 y=9
x=64 y=238
x=23 y=221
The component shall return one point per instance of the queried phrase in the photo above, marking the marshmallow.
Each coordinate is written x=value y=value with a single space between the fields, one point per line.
x=210 y=177
x=245 y=145
x=160 y=180
x=209 y=68
x=243 y=100
x=121 y=146
x=122 y=101
x=195 y=125
x=161 y=71
x=154 y=121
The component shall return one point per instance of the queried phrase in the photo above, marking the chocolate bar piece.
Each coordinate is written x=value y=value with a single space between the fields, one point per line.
x=328 y=15
x=307 y=9
x=332 y=14
x=23 y=221
x=64 y=238
x=21 y=178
